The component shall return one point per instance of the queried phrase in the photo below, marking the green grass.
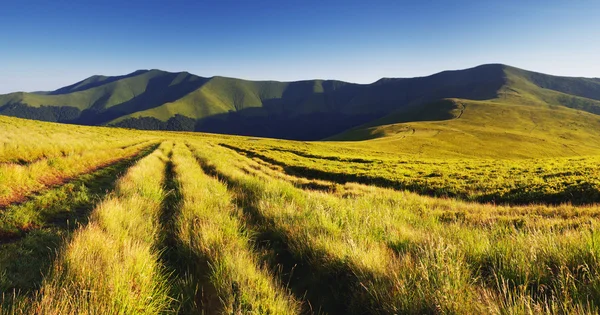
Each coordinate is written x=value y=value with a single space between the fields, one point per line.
x=394 y=252
x=485 y=129
x=515 y=181
x=111 y=266
x=229 y=224
x=218 y=247
x=157 y=99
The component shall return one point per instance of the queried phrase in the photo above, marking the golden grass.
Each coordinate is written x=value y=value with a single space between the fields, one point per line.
x=19 y=181
x=111 y=266
x=400 y=255
x=25 y=141
x=245 y=225
x=209 y=227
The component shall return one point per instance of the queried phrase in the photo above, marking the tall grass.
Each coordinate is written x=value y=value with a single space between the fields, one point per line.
x=25 y=141
x=514 y=181
x=219 y=245
x=397 y=254
x=31 y=232
x=111 y=266
x=246 y=223
x=18 y=181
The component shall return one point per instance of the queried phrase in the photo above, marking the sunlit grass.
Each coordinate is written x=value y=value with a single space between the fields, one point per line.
x=402 y=256
x=24 y=141
x=111 y=266
x=264 y=234
x=19 y=181
x=209 y=227
x=514 y=181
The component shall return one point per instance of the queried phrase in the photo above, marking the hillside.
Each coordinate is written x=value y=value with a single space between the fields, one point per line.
x=461 y=128
x=113 y=221
x=302 y=110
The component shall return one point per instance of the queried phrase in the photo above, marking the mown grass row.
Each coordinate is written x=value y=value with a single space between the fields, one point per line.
x=346 y=273
x=559 y=217
x=390 y=252
x=217 y=249
x=33 y=231
x=25 y=141
x=66 y=204
x=551 y=181
x=112 y=265
x=19 y=181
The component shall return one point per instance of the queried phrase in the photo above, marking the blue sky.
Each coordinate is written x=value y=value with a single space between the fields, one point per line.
x=49 y=44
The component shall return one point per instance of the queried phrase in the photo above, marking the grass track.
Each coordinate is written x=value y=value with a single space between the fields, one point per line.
x=26 y=255
x=492 y=268
x=19 y=182
x=213 y=236
x=65 y=204
x=112 y=264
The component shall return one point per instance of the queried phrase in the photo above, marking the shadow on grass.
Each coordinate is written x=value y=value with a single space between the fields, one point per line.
x=328 y=287
x=578 y=195
x=27 y=255
x=188 y=271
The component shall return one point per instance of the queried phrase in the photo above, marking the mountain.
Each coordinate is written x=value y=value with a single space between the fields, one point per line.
x=304 y=110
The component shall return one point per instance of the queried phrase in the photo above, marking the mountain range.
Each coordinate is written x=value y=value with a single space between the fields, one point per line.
x=313 y=109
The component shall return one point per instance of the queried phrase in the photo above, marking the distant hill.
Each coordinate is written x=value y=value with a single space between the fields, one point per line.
x=303 y=110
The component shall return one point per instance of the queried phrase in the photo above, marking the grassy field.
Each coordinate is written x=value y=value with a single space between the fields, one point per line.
x=488 y=152
x=166 y=223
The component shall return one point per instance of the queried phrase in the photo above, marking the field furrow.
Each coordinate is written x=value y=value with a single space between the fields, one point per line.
x=112 y=265
x=18 y=182
x=34 y=230
x=217 y=249
x=392 y=252
x=550 y=181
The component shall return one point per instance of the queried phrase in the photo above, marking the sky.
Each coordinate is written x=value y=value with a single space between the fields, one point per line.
x=45 y=45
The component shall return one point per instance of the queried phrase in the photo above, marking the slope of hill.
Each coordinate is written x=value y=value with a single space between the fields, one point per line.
x=532 y=115
x=96 y=100
x=88 y=213
x=309 y=110
x=303 y=110
x=491 y=129
x=299 y=110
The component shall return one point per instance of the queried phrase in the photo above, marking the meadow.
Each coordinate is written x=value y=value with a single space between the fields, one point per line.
x=189 y=223
x=550 y=180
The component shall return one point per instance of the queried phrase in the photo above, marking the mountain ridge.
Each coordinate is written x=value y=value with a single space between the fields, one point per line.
x=304 y=110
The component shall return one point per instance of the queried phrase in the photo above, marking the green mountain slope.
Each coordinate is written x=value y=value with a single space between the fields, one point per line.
x=532 y=116
x=98 y=100
x=493 y=129
x=306 y=110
